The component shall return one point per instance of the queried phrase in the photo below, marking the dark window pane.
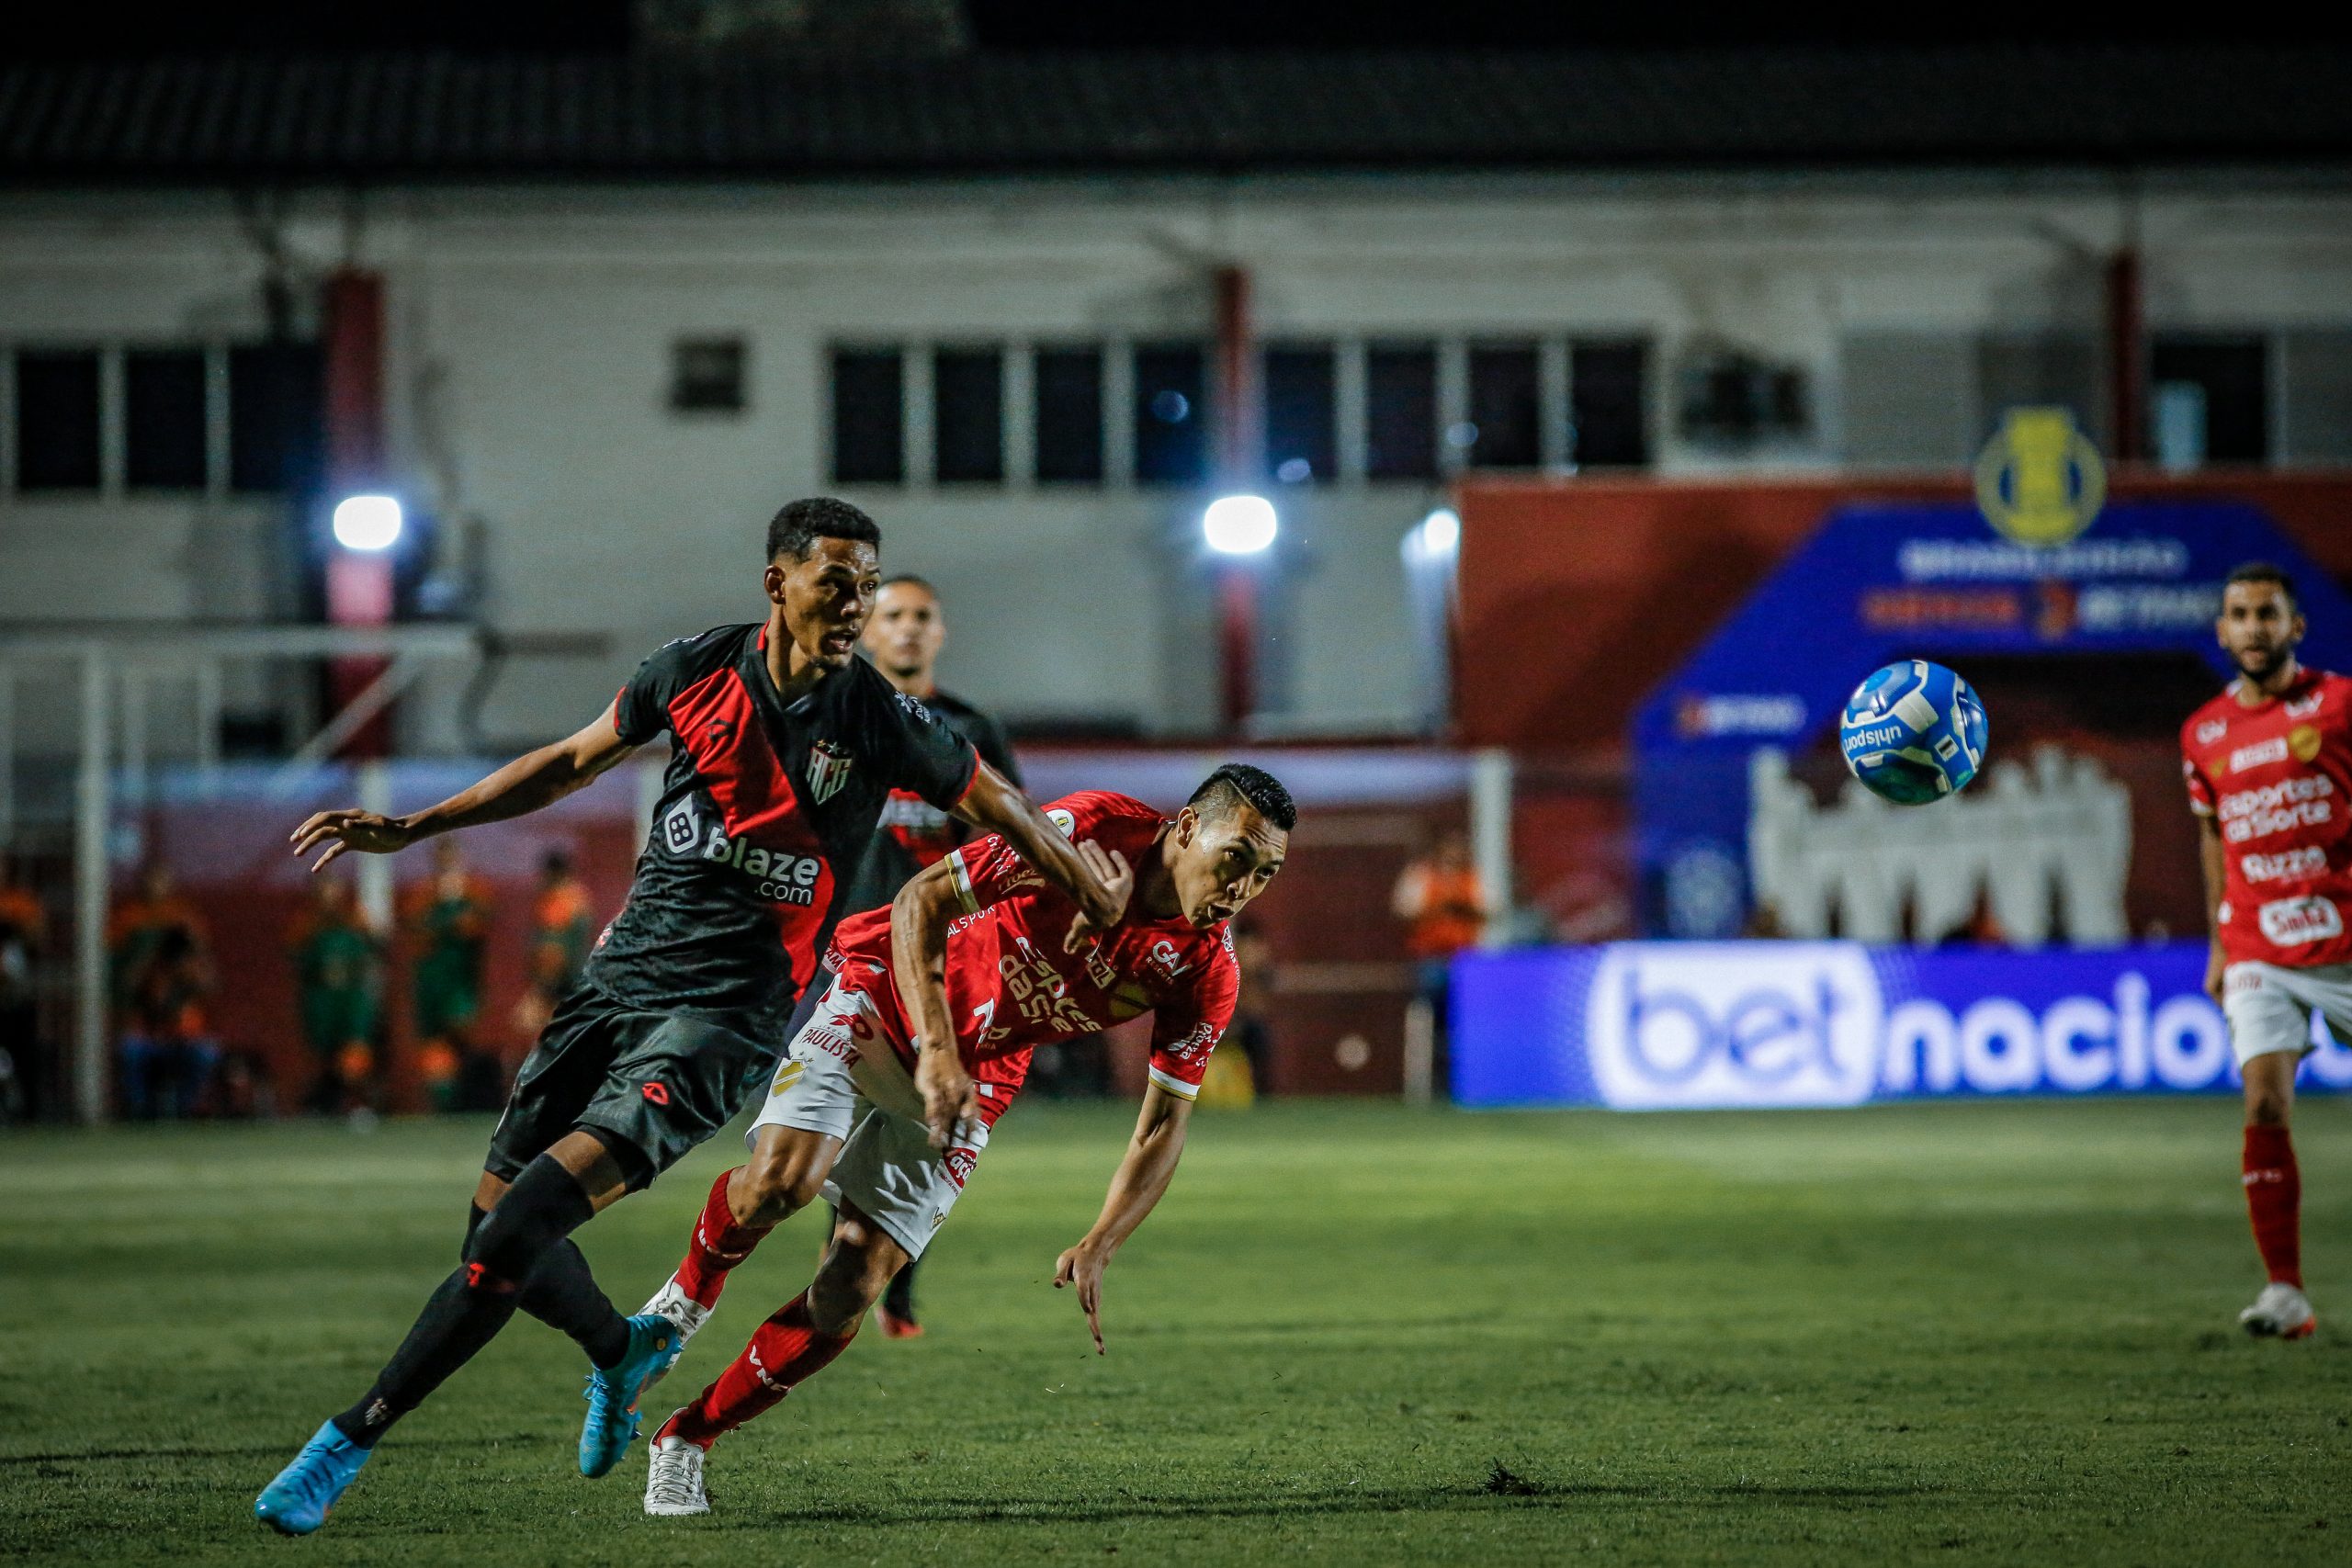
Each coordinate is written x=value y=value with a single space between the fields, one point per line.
x=1172 y=415
x=708 y=375
x=2231 y=379
x=869 y=416
x=57 y=420
x=163 y=419
x=1401 y=412
x=277 y=417
x=1070 y=415
x=1608 y=404
x=1503 y=408
x=1302 y=425
x=967 y=413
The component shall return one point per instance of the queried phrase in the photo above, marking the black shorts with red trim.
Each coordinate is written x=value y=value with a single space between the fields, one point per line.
x=662 y=1083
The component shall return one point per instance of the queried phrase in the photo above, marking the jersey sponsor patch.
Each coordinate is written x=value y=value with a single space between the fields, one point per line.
x=2212 y=729
x=2292 y=922
x=2286 y=865
x=2259 y=755
x=2303 y=741
x=2276 y=808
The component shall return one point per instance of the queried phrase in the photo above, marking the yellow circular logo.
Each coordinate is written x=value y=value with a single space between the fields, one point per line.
x=2303 y=741
x=2039 y=480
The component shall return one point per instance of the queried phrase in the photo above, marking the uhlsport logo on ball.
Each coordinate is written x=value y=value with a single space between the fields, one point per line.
x=1913 y=732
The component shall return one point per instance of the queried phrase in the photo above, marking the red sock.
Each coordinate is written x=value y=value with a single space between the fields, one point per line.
x=2274 y=1200
x=784 y=1350
x=718 y=1245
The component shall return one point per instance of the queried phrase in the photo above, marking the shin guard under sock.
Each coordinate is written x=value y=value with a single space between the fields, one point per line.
x=2274 y=1201
x=785 y=1351
x=719 y=1243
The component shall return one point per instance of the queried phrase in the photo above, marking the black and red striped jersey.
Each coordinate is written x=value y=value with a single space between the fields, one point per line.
x=915 y=834
x=766 y=810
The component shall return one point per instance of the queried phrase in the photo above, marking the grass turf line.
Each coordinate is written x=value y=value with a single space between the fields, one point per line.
x=1354 y=1334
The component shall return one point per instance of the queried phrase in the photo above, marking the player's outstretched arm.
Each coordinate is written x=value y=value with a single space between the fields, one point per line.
x=994 y=805
x=919 y=916
x=529 y=782
x=1136 y=1187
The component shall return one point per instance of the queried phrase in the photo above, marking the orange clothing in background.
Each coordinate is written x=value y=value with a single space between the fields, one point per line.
x=1451 y=911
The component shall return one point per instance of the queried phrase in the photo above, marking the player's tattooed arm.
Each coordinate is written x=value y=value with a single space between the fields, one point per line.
x=2211 y=860
x=529 y=782
x=994 y=805
x=919 y=916
x=1136 y=1187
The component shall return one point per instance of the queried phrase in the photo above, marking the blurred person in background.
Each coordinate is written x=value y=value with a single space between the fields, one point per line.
x=903 y=638
x=160 y=960
x=1443 y=907
x=449 y=922
x=563 y=926
x=24 y=933
x=2268 y=766
x=339 y=990
x=1254 y=1007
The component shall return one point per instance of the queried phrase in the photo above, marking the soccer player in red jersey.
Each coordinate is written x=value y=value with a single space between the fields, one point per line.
x=2269 y=770
x=933 y=1008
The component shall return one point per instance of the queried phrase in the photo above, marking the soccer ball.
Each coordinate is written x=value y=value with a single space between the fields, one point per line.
x=1912 y=733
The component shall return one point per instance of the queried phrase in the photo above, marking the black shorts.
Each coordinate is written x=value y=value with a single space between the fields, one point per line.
x=659 y=1082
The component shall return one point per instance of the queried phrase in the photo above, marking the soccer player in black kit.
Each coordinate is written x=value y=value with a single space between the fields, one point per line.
x=785 y=746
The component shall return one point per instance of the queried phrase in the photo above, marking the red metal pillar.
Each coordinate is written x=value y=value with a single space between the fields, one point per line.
x=358 y=582
x=1235 y=403
x=2127 y=357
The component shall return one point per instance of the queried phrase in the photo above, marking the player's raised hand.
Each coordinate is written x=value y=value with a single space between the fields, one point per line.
x=366 y=832
x=1082 y=1266
x=1110 y=868
x=948 y=1096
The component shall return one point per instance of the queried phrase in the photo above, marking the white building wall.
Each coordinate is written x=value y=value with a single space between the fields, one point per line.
x=531 y=332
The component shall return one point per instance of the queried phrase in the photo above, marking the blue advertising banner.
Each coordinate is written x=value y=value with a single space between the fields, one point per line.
x=1881 y=582
x=1659 y=1026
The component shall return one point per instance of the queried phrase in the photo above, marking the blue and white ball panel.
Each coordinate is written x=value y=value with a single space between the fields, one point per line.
x=1913 y=732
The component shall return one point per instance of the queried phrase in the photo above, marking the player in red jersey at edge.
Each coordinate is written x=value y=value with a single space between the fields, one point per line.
x=933 y=1008
x=2269 y=770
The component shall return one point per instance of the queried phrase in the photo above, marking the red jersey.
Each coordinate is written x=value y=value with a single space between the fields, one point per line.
x=2277 y=779
x=1009 y=985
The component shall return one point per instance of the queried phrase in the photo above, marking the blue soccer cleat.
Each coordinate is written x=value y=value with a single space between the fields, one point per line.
x=298 y=1501
x=654 y=1345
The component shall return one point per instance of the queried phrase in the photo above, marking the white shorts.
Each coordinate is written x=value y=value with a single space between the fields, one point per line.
x=2271 y=1006
x=839 y=1078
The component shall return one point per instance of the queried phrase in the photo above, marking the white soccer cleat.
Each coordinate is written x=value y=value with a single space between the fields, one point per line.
x=2281 y=1311
x=673 y=1479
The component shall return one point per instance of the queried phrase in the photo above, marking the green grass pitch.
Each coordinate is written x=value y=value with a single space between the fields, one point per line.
x=1354 y=1334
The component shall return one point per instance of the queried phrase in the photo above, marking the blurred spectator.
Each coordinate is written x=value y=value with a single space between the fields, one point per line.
x=161 y=972
x=168 y=1051
x=1250 y=1029
x=563 y=925
x=448 y=921
x=338 y=977
x=1444 y=909
x=24 y=932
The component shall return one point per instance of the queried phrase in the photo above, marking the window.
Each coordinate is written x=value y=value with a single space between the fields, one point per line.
x=1302 y=424
x=163 y=419
x=277 y=417
x=1070 y=415
x=707 y=375
x=1505 y=417
x=57 y=420
x=869 y=416
x=967 y=413
x=1400 y=412
x=1608 y=405
x=2209 y=401
x=2057 y=370
x=1171 y=414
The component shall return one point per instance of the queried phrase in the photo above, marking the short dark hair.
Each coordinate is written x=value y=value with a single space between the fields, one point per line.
x=910 y=579
x=1239 y=783
x=795 y=531
x=2263 y=571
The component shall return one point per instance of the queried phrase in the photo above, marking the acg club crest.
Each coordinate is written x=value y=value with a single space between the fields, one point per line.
x=829 y=768
x=2039 y=480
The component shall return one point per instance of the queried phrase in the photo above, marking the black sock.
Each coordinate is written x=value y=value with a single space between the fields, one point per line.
x=899 y=1298
x=564 y=1294
x=543 y=1207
